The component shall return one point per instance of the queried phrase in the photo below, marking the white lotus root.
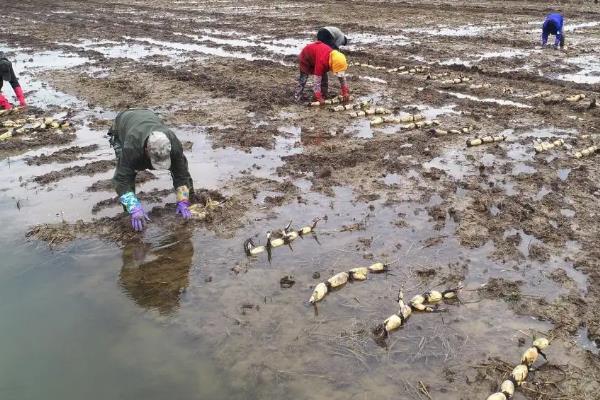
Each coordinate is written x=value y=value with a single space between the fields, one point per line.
x=587 y=151
x=485 y=140
x=341 y=278
x=575 y=98
x=456 y=81
x=29 y=124
x=363 y=105
x=390 y=119
x=520 y=372
x=443 y=132
x=542 y=94
x=420 y=302
x=401 y=70
x=328 y=102
x=545 y=146
x=425 y=301
x=370 y=111
x=319 y=292
x=359 y=274
x=475 y=86
x=435 y=77
x=548 y=97
x=287 y=236
x=338 y=279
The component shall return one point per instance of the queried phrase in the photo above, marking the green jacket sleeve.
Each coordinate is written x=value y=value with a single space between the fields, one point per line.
x=179 y=167
x=124 y=178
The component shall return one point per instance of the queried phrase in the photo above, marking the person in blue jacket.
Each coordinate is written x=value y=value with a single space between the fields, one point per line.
x=553 y=25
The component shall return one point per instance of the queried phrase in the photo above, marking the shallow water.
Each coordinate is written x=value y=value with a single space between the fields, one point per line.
x=74 y=333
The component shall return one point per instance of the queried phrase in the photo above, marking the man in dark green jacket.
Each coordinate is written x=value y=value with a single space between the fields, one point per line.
x=141 y=141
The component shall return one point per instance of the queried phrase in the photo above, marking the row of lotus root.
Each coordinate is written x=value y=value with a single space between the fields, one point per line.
x=520 y=372
x=401 y=70
x=14 y=127
x=339 y=279
x=328 y=102
x=548 y=97
x=285 y=237
x=545 y=146
x=444 y=132
x=390 y=119
x=426 y=302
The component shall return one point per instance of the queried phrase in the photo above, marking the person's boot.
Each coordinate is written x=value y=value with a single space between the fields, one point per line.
x=4 y=104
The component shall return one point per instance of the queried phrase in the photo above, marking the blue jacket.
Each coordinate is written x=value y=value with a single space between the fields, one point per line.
x=553 y=25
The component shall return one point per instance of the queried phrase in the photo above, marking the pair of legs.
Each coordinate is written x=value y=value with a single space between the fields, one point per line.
x=302 y=83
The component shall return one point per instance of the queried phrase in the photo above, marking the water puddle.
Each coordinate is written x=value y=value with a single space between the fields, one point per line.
x=549 y=133
x=133 y=51
x=137 y=48
x=289 y=47
x=453 y=162
x=584 y=341
x=487 y=100
x=358 y=40
x=373 y=79
x=360 y=129
x=543 y=192
x=456 y=31
x=192 y=47
x=392 y=179
x=563 y=173
x=431 y=112
x=568 y=213
x=579 y=26
x=507 y=186
x=522 y=168
x=518 y=152
x=525 y=242
x=474 y=59
x=589 y=70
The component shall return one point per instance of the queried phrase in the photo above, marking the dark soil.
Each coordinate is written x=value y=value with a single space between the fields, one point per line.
x=106 y=185
x=89 y=169
x=62 y=156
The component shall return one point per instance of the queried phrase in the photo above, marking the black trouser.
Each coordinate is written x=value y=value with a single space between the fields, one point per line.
x=302 y=83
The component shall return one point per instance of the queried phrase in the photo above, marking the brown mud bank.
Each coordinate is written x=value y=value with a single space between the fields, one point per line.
x=90 y=169
x=223 y=220
x=62 y=156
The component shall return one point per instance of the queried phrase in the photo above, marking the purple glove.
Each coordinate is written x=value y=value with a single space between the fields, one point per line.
x=183 y=209
x=138 y=217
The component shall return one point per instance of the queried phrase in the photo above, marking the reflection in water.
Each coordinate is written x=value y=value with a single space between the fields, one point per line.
x=156 y=277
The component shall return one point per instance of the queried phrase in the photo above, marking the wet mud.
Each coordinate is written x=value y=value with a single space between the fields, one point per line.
x=106 y=185
x=90 y=169
x=63 y=156
x=518 y=227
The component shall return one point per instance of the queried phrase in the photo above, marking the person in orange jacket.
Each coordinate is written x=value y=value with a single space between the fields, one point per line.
x=317 y=59
x=8 y=74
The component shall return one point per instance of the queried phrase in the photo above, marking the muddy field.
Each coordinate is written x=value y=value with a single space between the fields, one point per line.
x=517 y=227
